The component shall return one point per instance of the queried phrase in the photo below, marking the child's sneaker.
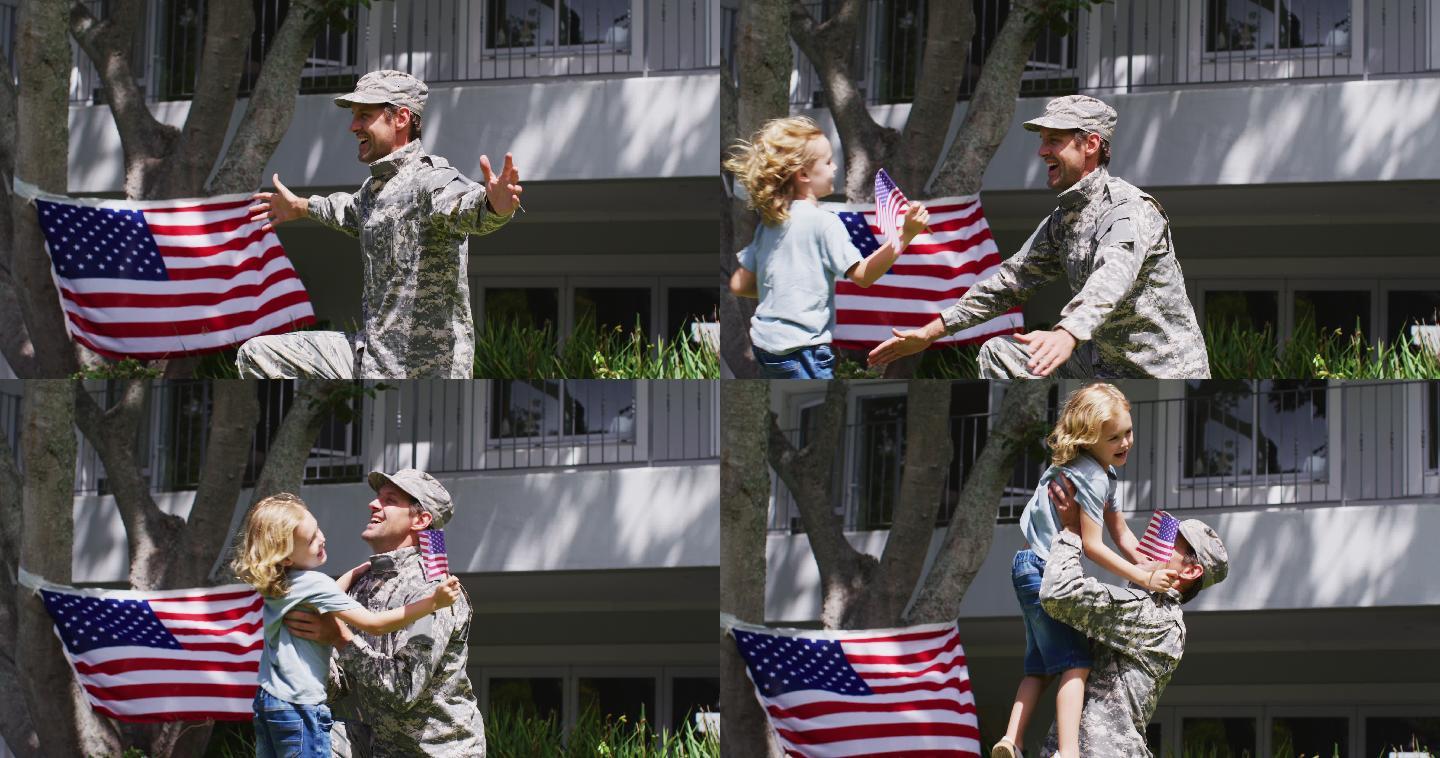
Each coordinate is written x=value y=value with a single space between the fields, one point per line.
x=1006 y=749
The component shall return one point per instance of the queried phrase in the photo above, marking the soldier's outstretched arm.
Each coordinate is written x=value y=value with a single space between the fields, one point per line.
x=397 y=681
x=339 y=211
x=1036 y=264
x=1117 y=264
x=477 y=208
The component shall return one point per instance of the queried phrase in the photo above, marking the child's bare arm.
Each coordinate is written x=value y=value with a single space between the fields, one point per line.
x=871 y=268
x=348 y=578
x=385 y=622
x=744 y=284
x=1122 y=536
x=1096 y=550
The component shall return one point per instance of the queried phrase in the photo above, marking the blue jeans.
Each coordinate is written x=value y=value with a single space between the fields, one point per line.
x=814 y=362
x=1050 y=646
x=290 y=730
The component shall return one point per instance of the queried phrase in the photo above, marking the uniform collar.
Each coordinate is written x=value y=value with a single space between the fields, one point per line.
x=1084 y=190
x=389 y=165
x=388 y=564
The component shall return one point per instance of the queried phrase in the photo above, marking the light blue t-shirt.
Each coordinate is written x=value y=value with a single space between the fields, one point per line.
x=1094 y=493
x=796 y=265
x=295 y=669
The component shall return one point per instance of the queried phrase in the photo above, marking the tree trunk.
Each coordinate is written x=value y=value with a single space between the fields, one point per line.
x=972 y=528
x=744 y=502
x=765 y=61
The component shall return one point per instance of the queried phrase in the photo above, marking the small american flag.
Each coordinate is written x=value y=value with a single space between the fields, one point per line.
x=166 y=278
x=432 y=554
x=890 y=207
x=939 y=266
x=876 y=692
x=1158 y=543
x=171 y=655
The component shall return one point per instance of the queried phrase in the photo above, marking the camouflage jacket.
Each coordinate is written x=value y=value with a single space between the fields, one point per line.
x=1112 y=241
x=413 y=217
x=407 y=692
x=1137 y=639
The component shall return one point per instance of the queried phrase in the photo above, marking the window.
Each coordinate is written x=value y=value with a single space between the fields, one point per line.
x=1219 y=737
x=1405 y=308
x=532 y=697
x=1271 y=26
x=1310 y=735
x=1389 y=735
x=632 y=697
x=1155 y=737
x=1253 y=309
x=690 y=305
x=611 y=307
x=542 y=410
x=1239 y=429
x=1434 y=424
x=1287 y=303
x=335 y=456
x=531 y=307
x=1334 y=309
x=558 y=23
x=879 y=450
x=692 y=695
x=182 y=422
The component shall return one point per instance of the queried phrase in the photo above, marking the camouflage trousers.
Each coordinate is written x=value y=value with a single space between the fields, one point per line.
x=298 y=355
x=1005 y=358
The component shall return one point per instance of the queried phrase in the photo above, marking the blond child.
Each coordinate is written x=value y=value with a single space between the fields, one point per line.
x=281 y=547
x=799 y=250
x=1092 y=436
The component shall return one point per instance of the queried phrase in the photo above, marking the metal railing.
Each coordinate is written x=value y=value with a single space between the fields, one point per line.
x=1226 y=444
x=1132 y=45
x=437 y=426
x=439 y=41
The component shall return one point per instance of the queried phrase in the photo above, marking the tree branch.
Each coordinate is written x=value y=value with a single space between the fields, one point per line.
x=972 y=528
x=950 y=28
x=987 y=119
x=217 y=85
x=234 y=411
x=272 y=103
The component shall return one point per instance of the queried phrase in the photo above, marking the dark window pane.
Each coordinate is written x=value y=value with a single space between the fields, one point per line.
x=596 y=22
x=1334 y=309
x=1155 y=738
x=1407 y=307
x=184 y=428
x=527 y=306
x=525 y=408
x=1386 y=734
x=969 y=428
x=1434 y=425
x=879 y=456
x=600 y=406
x=1219 y=428
x=520 y=23
x=618 y=696
x=1327 y=736
x=553 y=408
x=1219 y=737
x=685 y=305
x=1268 y=25
x=534 y=697
x=609 y=307
x=693 y=695
x=1293 y=437
x=1255 y=309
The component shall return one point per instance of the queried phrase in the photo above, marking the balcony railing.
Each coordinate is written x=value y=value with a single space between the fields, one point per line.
x=1132 y=45
x=439 y=427
x=1224 y=445
x=439 y=41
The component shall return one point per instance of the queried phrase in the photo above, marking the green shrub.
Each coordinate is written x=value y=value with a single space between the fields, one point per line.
x=511 y=350
x=1241 y=352
x=512 y=734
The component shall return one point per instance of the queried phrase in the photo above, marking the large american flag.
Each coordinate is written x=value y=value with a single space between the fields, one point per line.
x=939 y=266
x=158 y=279
x=1158 y=542
x=432 y=554
x=170 y=655
x=896 y=692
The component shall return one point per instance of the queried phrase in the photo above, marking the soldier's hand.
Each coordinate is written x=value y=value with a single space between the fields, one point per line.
x=502 y=190
x=277 y=207
x=916 y=219
x=324 y=629
x=447 y=593
x=1048 y=350
x=1062 y=495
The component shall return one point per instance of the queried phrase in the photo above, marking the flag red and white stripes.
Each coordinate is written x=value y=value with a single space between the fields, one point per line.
x=886 y=692
x=169 y=655
x=940 y=265
x=1158 y=542
x=156 y=279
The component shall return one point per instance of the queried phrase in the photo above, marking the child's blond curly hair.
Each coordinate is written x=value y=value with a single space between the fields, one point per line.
x=1086 y=410
x=767 y=163
x=269 y=538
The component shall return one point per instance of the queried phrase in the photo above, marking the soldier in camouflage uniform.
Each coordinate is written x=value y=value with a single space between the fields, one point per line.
x=407 y=692
x=1137 y=638
x=413 y=217
x=1128 y=316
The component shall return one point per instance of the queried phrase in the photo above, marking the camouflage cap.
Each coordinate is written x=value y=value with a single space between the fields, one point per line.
x=1077 y=112
x=1209 y=552
x=429 y=493
x=387 y=86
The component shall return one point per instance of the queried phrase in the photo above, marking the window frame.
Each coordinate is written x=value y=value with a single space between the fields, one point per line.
x=563 y=449
x=1180 y=713
x=536 y=59
x=1311 y=711
x=657 y=285
x=1276 y=63
x=527 y=672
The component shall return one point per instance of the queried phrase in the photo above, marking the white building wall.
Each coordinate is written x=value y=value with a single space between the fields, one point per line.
x=560 y=129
